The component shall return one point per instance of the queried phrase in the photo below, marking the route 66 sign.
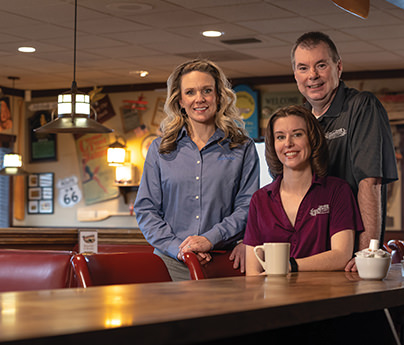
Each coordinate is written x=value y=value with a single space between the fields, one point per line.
x=69 y=191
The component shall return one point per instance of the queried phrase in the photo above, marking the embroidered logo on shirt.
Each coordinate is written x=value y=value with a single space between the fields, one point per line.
x=338 y=133
x=322 y=209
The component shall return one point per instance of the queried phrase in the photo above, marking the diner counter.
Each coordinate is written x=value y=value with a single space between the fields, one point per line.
x=191 y=311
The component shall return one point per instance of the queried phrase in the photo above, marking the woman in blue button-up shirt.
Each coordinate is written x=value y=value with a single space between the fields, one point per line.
x=199 y=177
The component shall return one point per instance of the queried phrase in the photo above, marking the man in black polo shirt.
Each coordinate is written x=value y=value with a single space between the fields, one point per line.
x=356 y=126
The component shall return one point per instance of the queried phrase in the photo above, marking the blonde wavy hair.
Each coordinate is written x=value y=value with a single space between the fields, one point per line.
x=227 y=116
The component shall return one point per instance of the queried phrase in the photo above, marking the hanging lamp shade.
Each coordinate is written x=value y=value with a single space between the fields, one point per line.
x=12 y=165
x=359 y=8
x=73 y=115
x=74 y=107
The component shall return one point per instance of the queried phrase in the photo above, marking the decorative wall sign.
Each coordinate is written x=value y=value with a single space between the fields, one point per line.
x=146 y=144
x=6 y=121
x=88 y=241
x=69 y=191
x=159 y=113
x=101 y=104
x=132 y=111
x=271 y=101
x=247 y=102
x=40 y=193
x=42 y=146
x=130 y=118
x=97 y=178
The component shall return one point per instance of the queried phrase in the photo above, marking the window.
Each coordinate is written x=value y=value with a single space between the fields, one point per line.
x=4 y=194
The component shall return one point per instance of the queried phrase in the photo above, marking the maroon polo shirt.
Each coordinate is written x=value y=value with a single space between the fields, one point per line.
x=327 y=208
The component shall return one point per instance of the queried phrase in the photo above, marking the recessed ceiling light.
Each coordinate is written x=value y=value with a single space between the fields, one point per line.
x=212 y=33
x=26 y=49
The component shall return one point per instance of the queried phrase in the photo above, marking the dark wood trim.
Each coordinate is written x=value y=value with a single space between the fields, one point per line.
x=12 y=92
x=264 y=80
x=7 y=140
x=63 y=238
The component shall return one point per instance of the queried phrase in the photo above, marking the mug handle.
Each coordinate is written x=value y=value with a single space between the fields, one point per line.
x=257 y=256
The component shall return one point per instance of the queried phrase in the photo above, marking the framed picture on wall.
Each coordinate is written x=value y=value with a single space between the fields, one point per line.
x=40 y=193
x=131 y=118
x=42 y=146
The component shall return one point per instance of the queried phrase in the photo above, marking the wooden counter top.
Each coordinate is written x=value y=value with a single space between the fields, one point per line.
x=185 y=311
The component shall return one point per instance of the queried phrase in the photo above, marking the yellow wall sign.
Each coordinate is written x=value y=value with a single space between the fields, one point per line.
x=247 y=102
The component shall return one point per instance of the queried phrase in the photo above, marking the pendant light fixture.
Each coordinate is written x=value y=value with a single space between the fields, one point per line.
x=359 y=8
x=74 y=107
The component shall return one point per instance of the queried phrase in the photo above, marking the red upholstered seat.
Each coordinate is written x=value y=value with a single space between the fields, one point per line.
x=35 y=270
x=120 y=268
x=219 y=266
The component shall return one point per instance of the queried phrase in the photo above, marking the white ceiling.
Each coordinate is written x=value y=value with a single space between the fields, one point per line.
x=118 y=36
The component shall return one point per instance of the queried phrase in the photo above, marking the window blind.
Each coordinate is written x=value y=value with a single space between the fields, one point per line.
x=4 y=193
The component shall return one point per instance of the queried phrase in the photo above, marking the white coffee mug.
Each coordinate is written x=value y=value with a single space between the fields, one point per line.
x=276 y=258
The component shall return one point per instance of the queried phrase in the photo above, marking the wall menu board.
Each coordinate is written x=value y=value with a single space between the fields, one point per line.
x=40 y=193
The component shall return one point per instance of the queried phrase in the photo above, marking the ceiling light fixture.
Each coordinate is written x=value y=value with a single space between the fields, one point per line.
x=73 y=107
x=26 y=49
x=212 y=33
x=359 y=8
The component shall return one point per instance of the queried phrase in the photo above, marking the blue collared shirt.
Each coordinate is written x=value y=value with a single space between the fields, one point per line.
x=196 y=192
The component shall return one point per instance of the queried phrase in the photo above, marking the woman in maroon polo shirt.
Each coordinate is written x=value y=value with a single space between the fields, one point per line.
x=315 y=213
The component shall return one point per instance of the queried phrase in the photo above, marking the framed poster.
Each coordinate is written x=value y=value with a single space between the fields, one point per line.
x=97 y=177
x=40 y=193
x=42 y=146
x=130 y=118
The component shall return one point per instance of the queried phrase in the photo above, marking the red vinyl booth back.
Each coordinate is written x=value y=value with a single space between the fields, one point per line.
x=121 y=268
x=219 y=266
x=22 y=270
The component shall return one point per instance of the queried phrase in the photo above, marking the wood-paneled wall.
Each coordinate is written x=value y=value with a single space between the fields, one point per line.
x=63 y=238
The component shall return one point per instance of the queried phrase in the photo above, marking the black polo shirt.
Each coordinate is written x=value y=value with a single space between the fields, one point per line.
x=359 y=138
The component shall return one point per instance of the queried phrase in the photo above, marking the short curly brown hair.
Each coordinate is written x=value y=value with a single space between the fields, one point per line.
x=317 y=141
